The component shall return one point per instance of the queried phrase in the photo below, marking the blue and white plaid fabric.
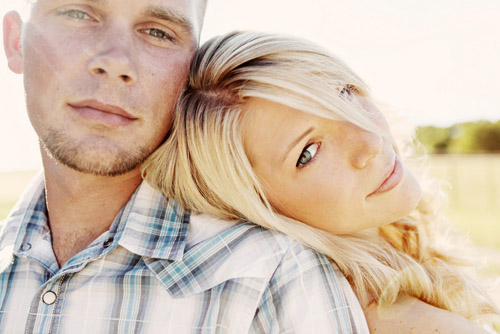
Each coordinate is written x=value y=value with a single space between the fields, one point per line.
x=158 y=270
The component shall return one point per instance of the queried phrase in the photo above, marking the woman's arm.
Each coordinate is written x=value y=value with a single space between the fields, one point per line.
x=411 y=315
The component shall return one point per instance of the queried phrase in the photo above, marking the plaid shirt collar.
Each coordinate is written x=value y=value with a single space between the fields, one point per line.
x=149 y=225
x=152 y=227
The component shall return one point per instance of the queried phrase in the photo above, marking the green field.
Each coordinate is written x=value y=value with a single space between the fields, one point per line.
x=474 y=194
x=12 y=185
x=474 y=205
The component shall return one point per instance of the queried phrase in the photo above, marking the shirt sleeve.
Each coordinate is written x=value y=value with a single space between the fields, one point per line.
x=308 y=294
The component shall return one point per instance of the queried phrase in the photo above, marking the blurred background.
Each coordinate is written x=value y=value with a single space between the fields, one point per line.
x=435 y=61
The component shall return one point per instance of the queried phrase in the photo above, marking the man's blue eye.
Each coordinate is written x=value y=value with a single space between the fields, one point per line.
x=307 y=154
x=75 y=14
x=157 y=33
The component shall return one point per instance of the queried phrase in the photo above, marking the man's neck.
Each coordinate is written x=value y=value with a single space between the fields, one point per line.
x=82 y=206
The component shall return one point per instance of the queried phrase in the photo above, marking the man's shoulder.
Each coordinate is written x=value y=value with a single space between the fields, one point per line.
x=265 y=279
x=261 y=250
x=286 y=257
x=275 y=243
x=219 y=251
x=300 y=288
x=239 y=236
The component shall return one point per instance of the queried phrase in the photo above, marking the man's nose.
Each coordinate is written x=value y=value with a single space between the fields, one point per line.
x=366 y=145
x=113 y=59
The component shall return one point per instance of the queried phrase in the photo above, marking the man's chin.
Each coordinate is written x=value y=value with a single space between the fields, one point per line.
x=99 y=161
x=114 y=168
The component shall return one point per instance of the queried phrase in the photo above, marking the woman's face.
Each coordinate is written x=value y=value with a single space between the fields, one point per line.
x=332 y=175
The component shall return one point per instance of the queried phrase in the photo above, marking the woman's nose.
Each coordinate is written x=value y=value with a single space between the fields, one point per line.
x=366 y=145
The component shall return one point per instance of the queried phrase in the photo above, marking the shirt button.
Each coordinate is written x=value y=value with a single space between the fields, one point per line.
x=107 y=243
x=25 y=247
x=49 y=297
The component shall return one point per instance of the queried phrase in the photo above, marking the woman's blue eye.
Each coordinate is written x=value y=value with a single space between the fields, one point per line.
x=307 y=154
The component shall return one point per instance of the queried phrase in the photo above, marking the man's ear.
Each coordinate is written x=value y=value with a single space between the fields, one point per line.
x=12 y=41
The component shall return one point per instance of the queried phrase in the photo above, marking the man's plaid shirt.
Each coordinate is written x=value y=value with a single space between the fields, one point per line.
x=158 y=270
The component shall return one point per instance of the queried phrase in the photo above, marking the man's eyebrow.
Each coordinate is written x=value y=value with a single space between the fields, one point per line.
x=168 y=14
x=98 y=1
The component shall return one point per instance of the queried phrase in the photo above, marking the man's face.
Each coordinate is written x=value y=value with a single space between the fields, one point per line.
x=102 y=77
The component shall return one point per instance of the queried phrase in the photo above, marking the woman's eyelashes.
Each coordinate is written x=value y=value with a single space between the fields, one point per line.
x=347 y=91
x=307 y=154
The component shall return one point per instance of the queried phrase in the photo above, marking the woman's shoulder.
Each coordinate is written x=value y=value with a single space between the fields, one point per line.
x=411 y=315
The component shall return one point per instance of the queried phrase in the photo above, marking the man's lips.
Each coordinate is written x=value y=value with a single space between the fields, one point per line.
x=392 y=179
x=101 y=112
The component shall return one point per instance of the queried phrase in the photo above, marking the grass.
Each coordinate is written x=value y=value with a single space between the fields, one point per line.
x=474 y=206
x=474 y=194
x=5 y=207
x=12 y=185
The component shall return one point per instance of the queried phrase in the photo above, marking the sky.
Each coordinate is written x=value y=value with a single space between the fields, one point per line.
x=435 y=61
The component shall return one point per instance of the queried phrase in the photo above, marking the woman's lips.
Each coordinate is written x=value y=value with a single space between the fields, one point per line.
x=392 y=180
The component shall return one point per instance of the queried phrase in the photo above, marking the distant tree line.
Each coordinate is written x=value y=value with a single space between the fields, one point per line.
x=469 y=137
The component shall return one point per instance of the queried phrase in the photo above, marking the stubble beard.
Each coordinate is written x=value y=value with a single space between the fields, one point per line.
x=92 y=159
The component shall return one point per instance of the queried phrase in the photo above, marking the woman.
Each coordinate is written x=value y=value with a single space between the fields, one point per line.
x=277 y=131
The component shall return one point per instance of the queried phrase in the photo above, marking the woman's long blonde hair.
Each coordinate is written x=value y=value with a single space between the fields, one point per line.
x=203 y=166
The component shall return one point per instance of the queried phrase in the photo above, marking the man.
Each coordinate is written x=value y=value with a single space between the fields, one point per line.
x=91 y=249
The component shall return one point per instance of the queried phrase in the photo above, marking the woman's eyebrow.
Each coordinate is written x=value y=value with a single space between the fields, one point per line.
x=296 y=141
